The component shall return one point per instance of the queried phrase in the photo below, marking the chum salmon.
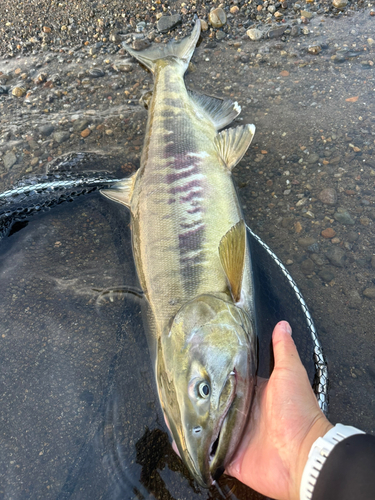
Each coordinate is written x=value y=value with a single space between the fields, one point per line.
x=193 y=262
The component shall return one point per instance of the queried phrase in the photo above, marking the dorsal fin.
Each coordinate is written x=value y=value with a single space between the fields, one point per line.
x=122 y=191
x=232 y=143
x=221 y=111
x=232 y=251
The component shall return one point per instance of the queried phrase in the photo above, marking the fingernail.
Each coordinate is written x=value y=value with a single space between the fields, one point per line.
x=285 y=327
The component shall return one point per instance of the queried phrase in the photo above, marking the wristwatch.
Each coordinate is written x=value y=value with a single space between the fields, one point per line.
x=318 y=454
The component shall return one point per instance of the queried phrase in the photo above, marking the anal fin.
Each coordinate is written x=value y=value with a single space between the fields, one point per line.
x=232 y=144
x=122 y=191
x=232 y=251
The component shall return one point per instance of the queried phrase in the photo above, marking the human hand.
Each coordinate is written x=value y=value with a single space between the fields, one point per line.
x=285 y=421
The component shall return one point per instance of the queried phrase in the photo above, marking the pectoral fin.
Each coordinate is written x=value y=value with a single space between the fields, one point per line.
x=232 y=250
x=232 y=144
x=122 y=191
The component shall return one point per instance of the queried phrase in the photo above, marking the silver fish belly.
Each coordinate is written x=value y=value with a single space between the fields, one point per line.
x=193 y=262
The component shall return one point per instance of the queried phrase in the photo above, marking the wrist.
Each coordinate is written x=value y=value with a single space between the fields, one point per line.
x=319 y=428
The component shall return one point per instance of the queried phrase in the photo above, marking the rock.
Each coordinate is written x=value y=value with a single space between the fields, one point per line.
x=220 y=35
x=335 y=241
x=340 y=4
x=352 y=236
x=167 y=23
x=217 y=17
x=336 y=256
x=313 y=158
x=254 y=34
x=204 y=25
x=9 y=159
x=365 y=221
x=276 y=32
x=319 y=261
x=80 y=124
x=306 y=242
x=369 y=292
x=314 y=49
x=326 y=275
x=96 y=72
x=328 y=196
x=343 y=217
x=307 y=14
x=85 y=133
x=18 y=91
x=46 y=130
x=141 y=44
x=124 y=68
x=307 y=266
x=328 y=233
x=60 y=137
x=355 y=300
x=295 y=31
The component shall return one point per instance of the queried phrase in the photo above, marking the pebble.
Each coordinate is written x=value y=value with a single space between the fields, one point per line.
x=124 y=68
x=314 y=49
x=343 y=217
x=307 y=266
x=313 y=158
x=328 y=196
x=340 y=4
x=365 y=221
x=96 y=72
x=335 y=240
x=217 y=17
x=18 y=91
x=355 y=300
x=319 y=261
x=85 y=133
x=204 y=25
x=369 y=292
x=9 y=159
x=306 y=242
x=141 y=44
x=336 y=256
x=166 y=23
x=307 y=14
x=220 y=35
x=60 y=137
x=328 y=233
x=326 y=275
x=46 y=130
x=254 y=34
x=295 y=31
x=277 y=32
x=80 y=124
x=109 y=131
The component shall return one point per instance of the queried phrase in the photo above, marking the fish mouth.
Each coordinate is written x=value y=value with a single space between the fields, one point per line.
x=218 y=449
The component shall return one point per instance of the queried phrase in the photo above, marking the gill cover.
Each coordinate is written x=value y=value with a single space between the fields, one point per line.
x=205 y=374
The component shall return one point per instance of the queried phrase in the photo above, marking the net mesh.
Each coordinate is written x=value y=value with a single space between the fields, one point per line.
x=121 y=421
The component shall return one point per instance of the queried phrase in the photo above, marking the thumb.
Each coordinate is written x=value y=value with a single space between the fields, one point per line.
x=284 y=348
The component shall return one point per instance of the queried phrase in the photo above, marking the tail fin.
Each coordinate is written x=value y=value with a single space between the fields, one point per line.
x=182 y=50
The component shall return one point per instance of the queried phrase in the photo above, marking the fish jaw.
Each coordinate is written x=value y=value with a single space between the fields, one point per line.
x=212 y=342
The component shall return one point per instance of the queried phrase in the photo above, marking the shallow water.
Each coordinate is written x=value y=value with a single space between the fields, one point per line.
x=68 y=429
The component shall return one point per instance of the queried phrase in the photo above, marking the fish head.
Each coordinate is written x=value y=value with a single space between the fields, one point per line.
x=206 y=377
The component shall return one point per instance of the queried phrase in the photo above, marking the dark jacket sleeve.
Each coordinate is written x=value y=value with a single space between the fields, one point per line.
x=349 y=472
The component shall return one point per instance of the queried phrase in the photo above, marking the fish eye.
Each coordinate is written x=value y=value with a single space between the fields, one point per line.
x=204 y=390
